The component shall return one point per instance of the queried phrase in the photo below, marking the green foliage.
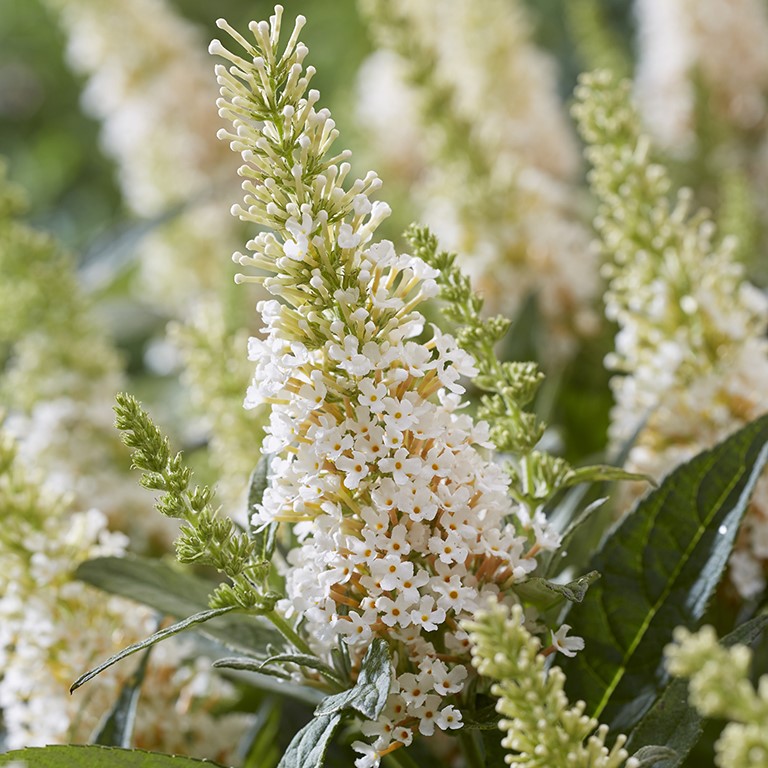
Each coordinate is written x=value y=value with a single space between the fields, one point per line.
x=369 y=695
x=366 y=698
x=304 y=660
x=310 y=745
x=206 y=538
x=659 y=569
x=116 y=728
x=672 y=721
x=96 y=757
x=50 y=345
x=511 y=385
x=544 y=593
x=543 y=729
x=598 y=44
x=157 y=637
x=179 y=594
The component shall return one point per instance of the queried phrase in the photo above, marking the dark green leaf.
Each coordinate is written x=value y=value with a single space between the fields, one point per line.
x=672 y=722
x=660 y=567
x=157 y=637
x=116 y=729
x=495 y=754
x=309 y=745
x=544 y=594
x=177 y=593
x=485 y=719
x=98 y=757
x=369 y=695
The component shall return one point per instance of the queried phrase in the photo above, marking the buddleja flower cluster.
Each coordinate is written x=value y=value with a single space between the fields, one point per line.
x=492 y=175
x=691 y=344
x=400 y=521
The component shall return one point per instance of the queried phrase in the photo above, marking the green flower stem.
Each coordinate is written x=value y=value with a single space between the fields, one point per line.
x=471 y=748
x=287 y=632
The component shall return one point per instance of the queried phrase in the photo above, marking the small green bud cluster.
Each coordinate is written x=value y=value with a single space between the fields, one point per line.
x=510 y=386
x=206 y=538
x=543 y=730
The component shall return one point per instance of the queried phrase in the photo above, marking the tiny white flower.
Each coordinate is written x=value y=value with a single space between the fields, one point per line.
x=568 y=646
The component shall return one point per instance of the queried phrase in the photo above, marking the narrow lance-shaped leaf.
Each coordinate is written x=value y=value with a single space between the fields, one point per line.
x=116 y=729
x=264 y=535
x=260 y=665
x=177 y=593
x=544 y=593
x=157 y=637
x=659 y=569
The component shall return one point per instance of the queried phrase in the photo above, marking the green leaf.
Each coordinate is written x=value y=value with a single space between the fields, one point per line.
x=604 y=472
x=275 y=681
x=369 y=695
x=544 y=594
x=177 y=593
x=309 y=745
x=97 y=757
x=583 y=525
x=262 y=749
x=659 y=568
x=672 y=722
x=157 y=637
x=367 y=698
x=302 y=659
x=116 y=728
x=485 y=719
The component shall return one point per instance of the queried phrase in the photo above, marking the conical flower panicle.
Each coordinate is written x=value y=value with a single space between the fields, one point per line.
x=402 y=523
